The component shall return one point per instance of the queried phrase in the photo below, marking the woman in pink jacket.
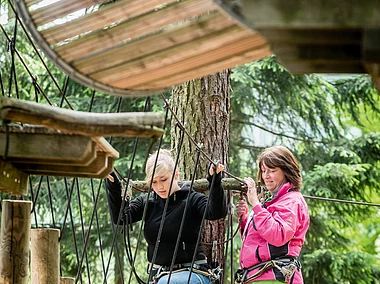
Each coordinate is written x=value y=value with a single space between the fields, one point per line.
x=274 y=231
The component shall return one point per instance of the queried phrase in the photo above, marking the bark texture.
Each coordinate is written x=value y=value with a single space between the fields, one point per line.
x=203 y=107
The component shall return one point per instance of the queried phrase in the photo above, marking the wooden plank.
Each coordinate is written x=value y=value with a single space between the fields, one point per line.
x=235 y=59
x=103 y=146
x=48 y=148
x=60 y=9
x=198 y=57
x=14 y=239
x=94 y=168
x=136 y=69
x=110 y=14
x=84 y=172
x=306 y=14
x=202 y=27
x=83 y=123
x=12 y=180
x=142 y=26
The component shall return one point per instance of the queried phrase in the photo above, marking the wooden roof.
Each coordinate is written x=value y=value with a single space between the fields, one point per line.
x=140 y=47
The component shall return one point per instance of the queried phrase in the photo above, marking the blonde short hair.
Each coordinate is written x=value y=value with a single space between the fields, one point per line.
x=165 y=164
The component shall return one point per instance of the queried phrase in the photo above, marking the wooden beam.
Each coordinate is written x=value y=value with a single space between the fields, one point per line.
x=260 y=14
x=304 y=36
x=136 y=124
x=56 y=149
x=99 y=166
x=308 y=67
x=371 y=45
x=14 y=239
x=308 y=52
x=12 y=180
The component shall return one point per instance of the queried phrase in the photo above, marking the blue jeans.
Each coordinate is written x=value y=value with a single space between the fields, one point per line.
x=182 y=278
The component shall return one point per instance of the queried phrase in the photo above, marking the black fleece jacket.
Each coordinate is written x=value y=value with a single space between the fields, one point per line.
x=216 y=209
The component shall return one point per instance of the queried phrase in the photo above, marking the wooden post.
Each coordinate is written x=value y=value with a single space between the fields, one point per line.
x=14 y=241
x=67 y=280
x=45 y=256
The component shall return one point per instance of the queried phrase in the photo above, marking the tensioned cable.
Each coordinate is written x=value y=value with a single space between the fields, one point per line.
x=2 y=86
x=83 y=235
x=37 y=52
x=50 y=201
x=184 y=216
x=166 y=204
x=148 y=194
x=86 y=239
x=202 y=222
x=72 y=222
x=97 y=225
x=147 y=102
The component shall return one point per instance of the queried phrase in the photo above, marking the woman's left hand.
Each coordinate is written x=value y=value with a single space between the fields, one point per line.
x=219 y=168
x=251 y=192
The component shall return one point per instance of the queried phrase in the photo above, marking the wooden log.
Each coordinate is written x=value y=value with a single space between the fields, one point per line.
x=58 y=149
x=44 y=256
x=12 y=180
x=199 y=185
x=134 y=124
x=67 y=280
x=14 y=241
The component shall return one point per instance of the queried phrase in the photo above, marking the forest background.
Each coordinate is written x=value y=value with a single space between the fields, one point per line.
x=331 y=123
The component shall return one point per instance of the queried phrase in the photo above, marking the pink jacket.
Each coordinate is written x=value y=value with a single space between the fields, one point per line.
x=275 y=229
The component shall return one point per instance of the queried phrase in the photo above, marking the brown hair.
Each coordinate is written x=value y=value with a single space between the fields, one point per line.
x=165 y=164
x=281 y=157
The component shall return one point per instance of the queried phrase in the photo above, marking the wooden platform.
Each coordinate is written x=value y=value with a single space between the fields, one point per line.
x=140 y=47
x=316 y=36
x=60 y=142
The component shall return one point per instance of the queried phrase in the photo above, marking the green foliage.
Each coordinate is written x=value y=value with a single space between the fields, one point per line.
x=327 y=267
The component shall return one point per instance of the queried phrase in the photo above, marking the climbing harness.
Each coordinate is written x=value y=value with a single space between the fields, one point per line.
x=286 y=265
x=199 y=267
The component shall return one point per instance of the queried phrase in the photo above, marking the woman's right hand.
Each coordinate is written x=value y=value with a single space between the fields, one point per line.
x=242 y=209
x=110 y=178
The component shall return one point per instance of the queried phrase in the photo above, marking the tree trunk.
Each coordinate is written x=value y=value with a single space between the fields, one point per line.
x=203 y=106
